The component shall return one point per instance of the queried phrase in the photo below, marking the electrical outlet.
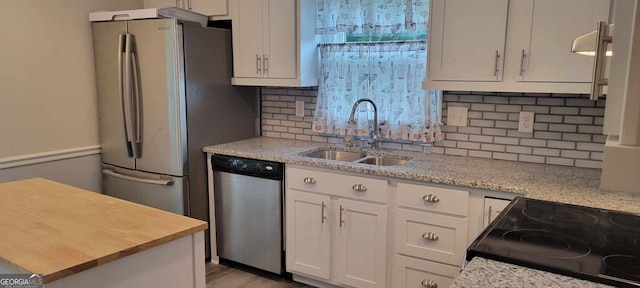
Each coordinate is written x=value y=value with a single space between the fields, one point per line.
x=526 y=122
x=457 y=116
x=300 y=108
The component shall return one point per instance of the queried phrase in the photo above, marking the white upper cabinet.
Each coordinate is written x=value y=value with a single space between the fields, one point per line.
x=511 y=46
x=204 y=7
x=467 y=39
x=274 y=43
x=543 y=38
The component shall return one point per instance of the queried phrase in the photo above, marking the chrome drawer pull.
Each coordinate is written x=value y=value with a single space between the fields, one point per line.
x=428 y=283
x=359 y=188
x=430 y=236
x=309 y=180
x=431 y=198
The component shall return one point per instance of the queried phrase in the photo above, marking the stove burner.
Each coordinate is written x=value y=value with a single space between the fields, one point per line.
x=548 y=244
x=624 y=264
x=555 y=215
x=626 y=221
x=624 y=240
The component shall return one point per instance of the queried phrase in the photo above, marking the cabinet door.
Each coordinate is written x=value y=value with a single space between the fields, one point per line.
x=361 y=244
x=247 y=35
x=554 y=25
x=307 y=233
x=209 y=7
x=493 y=207
x=279 y=45
x=467 y=40
x=162 y=3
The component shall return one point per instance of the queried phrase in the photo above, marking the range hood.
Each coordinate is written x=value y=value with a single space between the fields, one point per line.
x=586 y=44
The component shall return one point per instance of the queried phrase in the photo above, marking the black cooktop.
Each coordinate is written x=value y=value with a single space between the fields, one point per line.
x=588 y=243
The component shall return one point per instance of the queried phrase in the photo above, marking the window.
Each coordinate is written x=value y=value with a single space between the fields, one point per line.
x=380 y=55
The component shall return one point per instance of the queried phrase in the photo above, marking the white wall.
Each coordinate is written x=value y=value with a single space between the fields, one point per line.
x=47 y=82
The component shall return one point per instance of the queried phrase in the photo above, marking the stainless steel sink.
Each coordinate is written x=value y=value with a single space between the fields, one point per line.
x=336 y=155
x=381 y=161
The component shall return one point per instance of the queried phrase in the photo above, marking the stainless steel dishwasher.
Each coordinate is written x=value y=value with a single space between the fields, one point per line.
x=248 y=203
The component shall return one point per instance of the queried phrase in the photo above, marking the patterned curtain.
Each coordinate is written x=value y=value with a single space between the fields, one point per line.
x=388 y=72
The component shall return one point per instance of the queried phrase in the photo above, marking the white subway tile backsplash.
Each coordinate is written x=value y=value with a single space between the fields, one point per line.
x=455 y=151
x=546 y=152
x=530 y=158
x=561 y=144
x=563 y=127
x=480 y=154
x=519 y=149
x=533 y=142
x=481 y=123
x=505 y=156
x=575 y=154
x=508 y=108
x=564 y=110
x=483 y=107
x=567 y=127
x=495 y=116
x=494 y=131
x=589 y=164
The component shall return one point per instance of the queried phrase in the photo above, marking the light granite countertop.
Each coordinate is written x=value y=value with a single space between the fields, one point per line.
x=483 y=273
x=579 y=186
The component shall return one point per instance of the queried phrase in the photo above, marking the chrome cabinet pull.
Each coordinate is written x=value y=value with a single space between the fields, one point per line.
x=522 y=57
x=431 y=198
x=359 y=188
x=495 y=68
x=602 y=39
x=341 y=221
x=489 y=218
x=258 y=65
x=430 y=236
x=265 y=64
x=322 y=218
x=189 y=4
x=428 y=283
x=309 y=180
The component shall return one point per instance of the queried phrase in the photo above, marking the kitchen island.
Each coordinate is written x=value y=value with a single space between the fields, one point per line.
x=77 y=238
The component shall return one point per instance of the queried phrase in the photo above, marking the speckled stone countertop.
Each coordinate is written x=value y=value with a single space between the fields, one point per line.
x=571 y=185
x=482 y=272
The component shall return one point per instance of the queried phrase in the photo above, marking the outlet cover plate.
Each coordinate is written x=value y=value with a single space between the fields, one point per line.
x=457 y=116
x=525 y=124
x=300 y=108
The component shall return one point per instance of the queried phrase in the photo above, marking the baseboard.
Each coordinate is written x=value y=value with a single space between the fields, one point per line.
x=37 y=158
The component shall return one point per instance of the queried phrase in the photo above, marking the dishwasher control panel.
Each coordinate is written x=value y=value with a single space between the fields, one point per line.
x=246 y=166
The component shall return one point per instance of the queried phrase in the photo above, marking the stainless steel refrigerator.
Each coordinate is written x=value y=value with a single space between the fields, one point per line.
x=164 y=92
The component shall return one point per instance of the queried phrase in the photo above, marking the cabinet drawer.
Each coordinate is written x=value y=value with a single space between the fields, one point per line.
x=336 y=184
x=414 y=228
x=442 y=200
x=411 y=273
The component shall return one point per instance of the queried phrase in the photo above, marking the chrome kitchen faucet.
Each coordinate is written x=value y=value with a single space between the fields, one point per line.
x=375 y=134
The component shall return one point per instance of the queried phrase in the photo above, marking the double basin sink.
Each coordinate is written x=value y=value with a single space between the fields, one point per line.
x=355 y=157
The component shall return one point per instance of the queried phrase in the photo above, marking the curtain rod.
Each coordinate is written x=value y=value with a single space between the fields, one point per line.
x=375 y=42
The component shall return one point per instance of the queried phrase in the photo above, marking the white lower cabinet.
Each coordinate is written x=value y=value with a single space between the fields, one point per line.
x=415 y=273
x=430 y=235
x=332 y=235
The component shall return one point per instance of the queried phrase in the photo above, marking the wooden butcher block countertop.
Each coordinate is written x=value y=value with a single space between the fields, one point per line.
x=58 y=230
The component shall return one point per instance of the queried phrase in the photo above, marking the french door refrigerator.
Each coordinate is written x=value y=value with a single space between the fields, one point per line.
x=164 y=92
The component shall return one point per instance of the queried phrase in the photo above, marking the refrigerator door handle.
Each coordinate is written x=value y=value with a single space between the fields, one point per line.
x=137 y=142
x=128 y=113
x=121 y=92
x=162 y=182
